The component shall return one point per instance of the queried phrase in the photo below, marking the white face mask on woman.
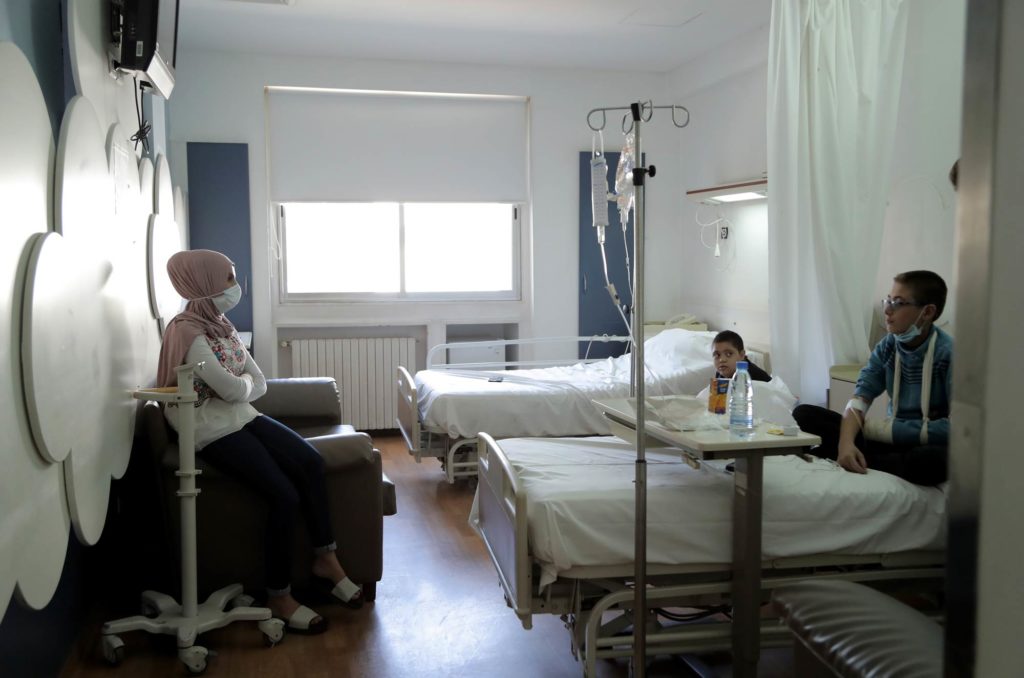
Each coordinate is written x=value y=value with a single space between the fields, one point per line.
x=228 y=299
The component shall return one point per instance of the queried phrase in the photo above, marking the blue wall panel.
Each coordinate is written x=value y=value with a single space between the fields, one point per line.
x=218 y=212
x=597 y=314
x=36 y=27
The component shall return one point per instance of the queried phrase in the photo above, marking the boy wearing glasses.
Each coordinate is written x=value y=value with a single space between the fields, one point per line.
x=913 y=364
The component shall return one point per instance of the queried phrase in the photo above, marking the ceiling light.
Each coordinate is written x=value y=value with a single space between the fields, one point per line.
x=739 y=197
x=268 y=2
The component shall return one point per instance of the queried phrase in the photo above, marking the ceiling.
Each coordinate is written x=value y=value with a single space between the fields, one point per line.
x=634 y=35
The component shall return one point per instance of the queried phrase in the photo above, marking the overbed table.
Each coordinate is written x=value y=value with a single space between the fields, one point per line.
x=747 y=482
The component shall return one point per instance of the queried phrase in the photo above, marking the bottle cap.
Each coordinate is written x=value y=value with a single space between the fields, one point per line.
x=741 y=365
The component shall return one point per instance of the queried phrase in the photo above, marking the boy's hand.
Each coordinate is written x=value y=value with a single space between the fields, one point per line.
x=851 y=459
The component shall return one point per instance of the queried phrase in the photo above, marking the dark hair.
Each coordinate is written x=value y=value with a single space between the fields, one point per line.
x=728 y=336
x=954 y=174
x=927 y=287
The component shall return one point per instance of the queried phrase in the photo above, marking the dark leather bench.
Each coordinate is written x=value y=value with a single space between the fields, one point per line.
x=848 y=629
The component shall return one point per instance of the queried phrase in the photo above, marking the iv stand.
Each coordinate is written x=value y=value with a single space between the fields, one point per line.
x=639 y=113
x=162 y=613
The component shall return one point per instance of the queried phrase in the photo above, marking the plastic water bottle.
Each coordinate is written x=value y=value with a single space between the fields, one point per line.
x=740 y=403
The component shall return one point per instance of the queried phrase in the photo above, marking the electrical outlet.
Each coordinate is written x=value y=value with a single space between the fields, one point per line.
x=724 y=233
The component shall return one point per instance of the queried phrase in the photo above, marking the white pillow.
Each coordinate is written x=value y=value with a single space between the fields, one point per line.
x=676 y=349
x=773 y=401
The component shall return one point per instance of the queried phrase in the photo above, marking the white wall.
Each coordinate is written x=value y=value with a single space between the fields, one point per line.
x=219 y=97
x=725 y=93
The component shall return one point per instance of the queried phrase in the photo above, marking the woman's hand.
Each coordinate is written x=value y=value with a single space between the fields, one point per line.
x=851 y=458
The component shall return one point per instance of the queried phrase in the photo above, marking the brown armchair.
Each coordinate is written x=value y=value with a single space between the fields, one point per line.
x=231 y=517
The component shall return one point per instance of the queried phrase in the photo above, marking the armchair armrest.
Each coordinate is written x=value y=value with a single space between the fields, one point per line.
x=344 y=451
x=301 y=402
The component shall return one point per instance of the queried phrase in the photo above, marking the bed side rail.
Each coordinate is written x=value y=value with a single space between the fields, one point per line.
x=437 y=356
x=502 y=516
x=408 y=419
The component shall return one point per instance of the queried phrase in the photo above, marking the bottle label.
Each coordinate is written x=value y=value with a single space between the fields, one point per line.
x=740 y=419
x=740 y=400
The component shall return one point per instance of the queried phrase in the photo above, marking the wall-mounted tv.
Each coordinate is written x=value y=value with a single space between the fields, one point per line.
x=144 y=40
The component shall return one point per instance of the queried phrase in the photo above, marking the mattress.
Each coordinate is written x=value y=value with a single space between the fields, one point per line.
x=556 y=401
x=581 y=507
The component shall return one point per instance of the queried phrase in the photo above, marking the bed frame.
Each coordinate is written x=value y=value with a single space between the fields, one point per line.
x=458 y=456
x=596 y=602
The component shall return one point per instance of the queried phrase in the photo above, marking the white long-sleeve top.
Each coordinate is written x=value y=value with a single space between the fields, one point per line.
x=227 y=382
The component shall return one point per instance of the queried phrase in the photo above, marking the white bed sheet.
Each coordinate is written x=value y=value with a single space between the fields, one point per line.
x=581 y=507
x=556 y=401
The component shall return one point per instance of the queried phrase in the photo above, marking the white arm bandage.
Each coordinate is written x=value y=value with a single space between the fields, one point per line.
x=858 y=405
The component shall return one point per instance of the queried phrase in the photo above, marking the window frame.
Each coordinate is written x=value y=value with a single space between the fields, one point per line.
x=402 y=296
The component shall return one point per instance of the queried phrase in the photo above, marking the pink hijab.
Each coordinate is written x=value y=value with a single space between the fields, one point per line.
x=197 y=275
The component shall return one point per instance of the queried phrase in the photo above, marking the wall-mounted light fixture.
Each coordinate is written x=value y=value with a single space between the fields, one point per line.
x=270 y=2
x=754 y=189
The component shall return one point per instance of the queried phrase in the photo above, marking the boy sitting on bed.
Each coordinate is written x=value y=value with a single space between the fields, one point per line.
x=726 y=351
x=913 y=364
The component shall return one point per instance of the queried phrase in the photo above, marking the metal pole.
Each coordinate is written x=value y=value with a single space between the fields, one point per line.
x=640 y=554
x=636 y=377
x=187 y=493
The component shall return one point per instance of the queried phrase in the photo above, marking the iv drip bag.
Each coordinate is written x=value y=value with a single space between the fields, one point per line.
x=624 y=179
x=599 y=189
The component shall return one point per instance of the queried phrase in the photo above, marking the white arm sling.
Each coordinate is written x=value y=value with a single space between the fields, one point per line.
x=881 y=429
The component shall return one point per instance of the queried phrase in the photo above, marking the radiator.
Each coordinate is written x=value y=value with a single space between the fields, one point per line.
x=365 y=371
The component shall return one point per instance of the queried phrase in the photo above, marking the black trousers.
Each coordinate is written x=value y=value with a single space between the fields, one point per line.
x=920 y=464
x=288 y=473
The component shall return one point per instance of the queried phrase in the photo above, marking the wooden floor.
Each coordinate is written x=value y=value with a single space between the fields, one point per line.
x=439 y=612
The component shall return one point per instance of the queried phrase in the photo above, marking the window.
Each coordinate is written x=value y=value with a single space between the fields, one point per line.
x=355 y=251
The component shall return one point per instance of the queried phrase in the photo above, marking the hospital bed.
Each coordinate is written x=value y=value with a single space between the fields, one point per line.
x=557 y=518
x=441 y=409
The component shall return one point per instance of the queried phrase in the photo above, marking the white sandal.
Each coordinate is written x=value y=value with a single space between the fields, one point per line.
x=348 y=593
x=304 y=621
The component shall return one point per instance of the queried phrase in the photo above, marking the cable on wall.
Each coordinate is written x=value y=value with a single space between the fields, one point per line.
x=718 y=224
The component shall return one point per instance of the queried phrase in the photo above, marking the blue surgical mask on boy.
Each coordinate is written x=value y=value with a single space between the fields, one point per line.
x=912 y=332
x=228 y=299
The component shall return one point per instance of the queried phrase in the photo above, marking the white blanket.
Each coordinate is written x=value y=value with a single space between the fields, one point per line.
x=581 y=507
x=555 y=401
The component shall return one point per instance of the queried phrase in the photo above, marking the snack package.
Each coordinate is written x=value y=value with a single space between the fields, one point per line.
x=717 y=393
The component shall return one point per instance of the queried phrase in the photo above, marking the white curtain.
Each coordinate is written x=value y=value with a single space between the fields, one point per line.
x=834 y=74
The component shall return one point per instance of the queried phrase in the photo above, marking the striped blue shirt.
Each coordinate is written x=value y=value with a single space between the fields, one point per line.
x=878 y=374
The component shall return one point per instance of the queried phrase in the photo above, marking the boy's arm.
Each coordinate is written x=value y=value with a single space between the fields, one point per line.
x=849 y=457
x=870 y=383
x=871 y=380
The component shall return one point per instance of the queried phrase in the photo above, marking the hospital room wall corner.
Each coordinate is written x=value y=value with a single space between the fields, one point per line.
x=37 y=643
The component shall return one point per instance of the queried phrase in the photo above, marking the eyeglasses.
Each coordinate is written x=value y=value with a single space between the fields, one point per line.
x=890 y=304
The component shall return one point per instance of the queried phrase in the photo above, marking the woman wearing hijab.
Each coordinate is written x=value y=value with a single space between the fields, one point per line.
x=263 y=454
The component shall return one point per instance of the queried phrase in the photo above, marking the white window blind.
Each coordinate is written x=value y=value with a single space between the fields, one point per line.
x=338 y=145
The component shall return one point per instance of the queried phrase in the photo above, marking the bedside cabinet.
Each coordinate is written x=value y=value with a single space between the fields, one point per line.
x=842 y=380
